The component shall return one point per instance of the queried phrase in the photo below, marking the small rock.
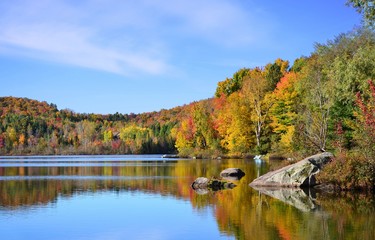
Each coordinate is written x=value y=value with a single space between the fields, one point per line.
x=232 y=174
x=201 y=185
x=200 y=182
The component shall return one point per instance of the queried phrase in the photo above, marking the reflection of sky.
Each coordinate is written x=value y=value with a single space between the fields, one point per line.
x=87 y=161
x=81 y=178
x=110 y=215
x=91 y=158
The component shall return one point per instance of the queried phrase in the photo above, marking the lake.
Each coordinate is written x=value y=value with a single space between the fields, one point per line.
x=148 y=197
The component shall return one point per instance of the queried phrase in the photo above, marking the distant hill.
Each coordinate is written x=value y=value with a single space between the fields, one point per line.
x=35 y=108
x=25 y=106
x=29 y=126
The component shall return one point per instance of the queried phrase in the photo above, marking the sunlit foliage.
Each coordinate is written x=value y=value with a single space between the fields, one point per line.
x=308 y=107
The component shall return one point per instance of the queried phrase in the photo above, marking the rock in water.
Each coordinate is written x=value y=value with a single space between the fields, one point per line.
x=296 y=175
x=217 y=185
x=200 y=183
x=232 y=174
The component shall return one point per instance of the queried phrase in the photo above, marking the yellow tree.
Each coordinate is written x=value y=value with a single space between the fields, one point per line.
x=284 y=110
x=255 y=88
x=205 y=135
x=235 y=125
x=11 y=139
x=184 y=135
x=107 y=136
x=22 y=139
x=134 y=137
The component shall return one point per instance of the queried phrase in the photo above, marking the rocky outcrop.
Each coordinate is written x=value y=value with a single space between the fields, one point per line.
x=202 y=185
x=232 y=174
x=296 y=175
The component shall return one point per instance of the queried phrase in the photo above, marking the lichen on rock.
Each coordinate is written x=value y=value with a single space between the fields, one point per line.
x=296 y=175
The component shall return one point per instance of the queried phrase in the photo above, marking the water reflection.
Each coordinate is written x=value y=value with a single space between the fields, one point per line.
x=241 y=212
x=301 y=199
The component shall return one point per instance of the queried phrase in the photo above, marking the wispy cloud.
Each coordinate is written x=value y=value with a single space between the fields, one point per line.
x=224 y=22
x=124 y=37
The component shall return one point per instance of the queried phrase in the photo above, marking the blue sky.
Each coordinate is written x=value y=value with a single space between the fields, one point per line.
x=107 y=56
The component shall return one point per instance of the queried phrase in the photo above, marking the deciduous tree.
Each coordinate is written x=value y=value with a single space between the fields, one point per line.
x=255 y=92
x=366 y=118
x=366 y=8
x=284 y=111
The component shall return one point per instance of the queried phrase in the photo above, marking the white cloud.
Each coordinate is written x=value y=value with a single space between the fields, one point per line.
x=228 y=23
x=63 y=35
x=124 y=37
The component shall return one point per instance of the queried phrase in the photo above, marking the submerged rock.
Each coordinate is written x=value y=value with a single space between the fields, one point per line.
x=296 y=175
x=232 y=174
x=217 y=185
x=202 y=185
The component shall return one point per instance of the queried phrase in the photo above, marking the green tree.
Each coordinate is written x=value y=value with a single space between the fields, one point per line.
x=298 y=64
x=284 y=112
x=231 y=85
x=347 y=61
x=274 y=72
x=316 y=90
x=366 y=8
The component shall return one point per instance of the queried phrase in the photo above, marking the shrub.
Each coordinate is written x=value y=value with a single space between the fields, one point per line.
x=349 y=172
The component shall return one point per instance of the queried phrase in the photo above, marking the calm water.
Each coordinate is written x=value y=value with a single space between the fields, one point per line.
x=147 y=197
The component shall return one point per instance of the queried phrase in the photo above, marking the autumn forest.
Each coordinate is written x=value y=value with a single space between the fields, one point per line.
x=321 y=102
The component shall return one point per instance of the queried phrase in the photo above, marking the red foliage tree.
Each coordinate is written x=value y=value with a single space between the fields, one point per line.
x=2 y=142
x=367 y=111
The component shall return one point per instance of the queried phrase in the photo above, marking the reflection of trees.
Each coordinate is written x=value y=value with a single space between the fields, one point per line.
x=241 y=212
x=339 y=217
x=40 y=185
x=246 y=214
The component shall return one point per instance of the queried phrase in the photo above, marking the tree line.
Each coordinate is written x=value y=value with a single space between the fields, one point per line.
x=32 y=127
x=322 y=102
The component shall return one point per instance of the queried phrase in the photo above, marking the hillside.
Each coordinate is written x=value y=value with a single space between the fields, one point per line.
x=29 y=126
x=25 y=106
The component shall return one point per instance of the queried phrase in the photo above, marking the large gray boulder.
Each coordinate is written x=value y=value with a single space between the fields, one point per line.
x=299 y=174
